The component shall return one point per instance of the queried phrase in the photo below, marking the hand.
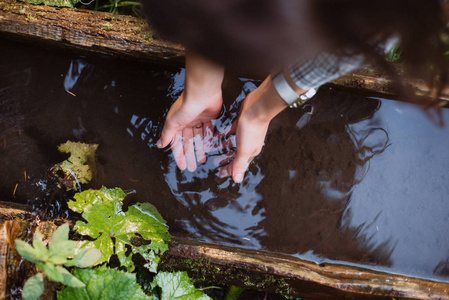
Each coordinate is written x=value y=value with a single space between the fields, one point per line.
x=257 y=111
x=188 y=126
x=189 y=129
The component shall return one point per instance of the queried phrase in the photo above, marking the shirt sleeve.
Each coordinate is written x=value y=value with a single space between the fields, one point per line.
x=323 y=68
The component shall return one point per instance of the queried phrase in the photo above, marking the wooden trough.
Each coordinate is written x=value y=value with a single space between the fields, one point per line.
x=129 y=38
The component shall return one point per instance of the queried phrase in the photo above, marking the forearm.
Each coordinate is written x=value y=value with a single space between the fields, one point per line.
x=203 y=79
x=265 y=102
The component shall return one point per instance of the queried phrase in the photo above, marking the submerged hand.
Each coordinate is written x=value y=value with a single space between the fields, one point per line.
x=189 y=129
x=249 y=139
x=188 y=126
x=257 y=111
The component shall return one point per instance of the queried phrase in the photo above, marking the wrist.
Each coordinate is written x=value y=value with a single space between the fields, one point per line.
x=263 y=104
x=286 y=88
x=203 y=79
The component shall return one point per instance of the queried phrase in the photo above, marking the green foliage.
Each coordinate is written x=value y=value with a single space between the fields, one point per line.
x=395 y=54
x=116 y=231
x=48 y=260
x=233 y=292
x=34 y=287
x=104 y=283
x=118 y=6
x=58 y=3
x=177 y=286
x=77 y=169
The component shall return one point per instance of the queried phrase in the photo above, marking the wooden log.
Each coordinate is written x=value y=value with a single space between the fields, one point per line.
x=131 y=38
x=294 y=277
x=11 y=268
x=97 y=32
x=234 y=266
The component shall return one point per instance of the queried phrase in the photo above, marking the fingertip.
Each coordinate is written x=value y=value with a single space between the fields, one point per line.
x=182 y=166
x=191 y=167
x=238 y=178
x=159 y=144
x=181 y=162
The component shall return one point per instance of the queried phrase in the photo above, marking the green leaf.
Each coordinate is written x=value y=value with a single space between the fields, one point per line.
x=150 y=257
x=39 y=245
x=59 y=3
x=78 y=166
x=85 y=258
x=34 y=287
x=103 y=283
x=40 y=266
x=60 y=235
x=177 y=286
x=52 y=273
x=28 y=252
x=57 y=260
x=114 y=229
x=62 y=249
x=68 y=279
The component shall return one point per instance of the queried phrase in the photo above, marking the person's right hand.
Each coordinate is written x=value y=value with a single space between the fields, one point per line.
x=189 y=122
x=189 y=128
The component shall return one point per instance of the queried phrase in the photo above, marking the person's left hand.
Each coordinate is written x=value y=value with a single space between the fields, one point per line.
x=257 y=111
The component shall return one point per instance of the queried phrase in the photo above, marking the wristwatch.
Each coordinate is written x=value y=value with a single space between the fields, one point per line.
x=287 y=93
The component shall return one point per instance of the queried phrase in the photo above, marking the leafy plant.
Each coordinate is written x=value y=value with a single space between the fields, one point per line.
x=395 y=54
x=49 y=261
x=116 y=6
x=77 y=169
x=177 y=286
x=104 y=283
x=59 y=3
x=141 y=229
x=233 y=292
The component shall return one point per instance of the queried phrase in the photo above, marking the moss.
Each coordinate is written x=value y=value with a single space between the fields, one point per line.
x=204 y=270
x=106 y=26
x=29 y=17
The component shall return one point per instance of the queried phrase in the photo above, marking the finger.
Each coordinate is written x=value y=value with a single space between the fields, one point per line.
x=199 y=146
x=208 y=134
x=167 y=136
x=239 y=166
x=178 y=152
x=189 y=149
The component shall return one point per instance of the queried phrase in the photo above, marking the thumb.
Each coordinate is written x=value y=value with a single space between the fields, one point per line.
x=166 y=137
x=239 y=166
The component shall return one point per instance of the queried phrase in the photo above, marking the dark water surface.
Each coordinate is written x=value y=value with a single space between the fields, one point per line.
x=360 y=181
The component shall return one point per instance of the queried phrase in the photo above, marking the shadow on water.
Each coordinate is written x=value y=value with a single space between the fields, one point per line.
x=347 y=179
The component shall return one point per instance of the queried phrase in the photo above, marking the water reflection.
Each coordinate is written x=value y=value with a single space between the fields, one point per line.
x=359 y=181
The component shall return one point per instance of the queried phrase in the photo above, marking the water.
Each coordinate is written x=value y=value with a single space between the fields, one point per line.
x=361 y=181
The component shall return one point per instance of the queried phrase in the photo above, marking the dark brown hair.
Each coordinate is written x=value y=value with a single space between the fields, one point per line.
x=262 y=34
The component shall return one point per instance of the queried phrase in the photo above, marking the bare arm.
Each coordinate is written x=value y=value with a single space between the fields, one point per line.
x=188 y=124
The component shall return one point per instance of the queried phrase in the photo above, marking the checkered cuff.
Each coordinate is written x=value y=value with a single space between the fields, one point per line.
x=323 y=68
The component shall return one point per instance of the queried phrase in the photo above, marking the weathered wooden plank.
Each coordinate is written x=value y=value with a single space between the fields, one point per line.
x=98 y=32
x=247 y=268
x=294 y=277
x=362 y=80
x=131 y=38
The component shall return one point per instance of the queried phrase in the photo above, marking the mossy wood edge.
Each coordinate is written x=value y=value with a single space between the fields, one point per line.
x=247 y=268
x=295 y=277
x=130 y=37
x=92 y=31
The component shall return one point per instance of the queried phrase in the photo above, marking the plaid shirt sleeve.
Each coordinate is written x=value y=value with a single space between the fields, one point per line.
x=323 y=68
